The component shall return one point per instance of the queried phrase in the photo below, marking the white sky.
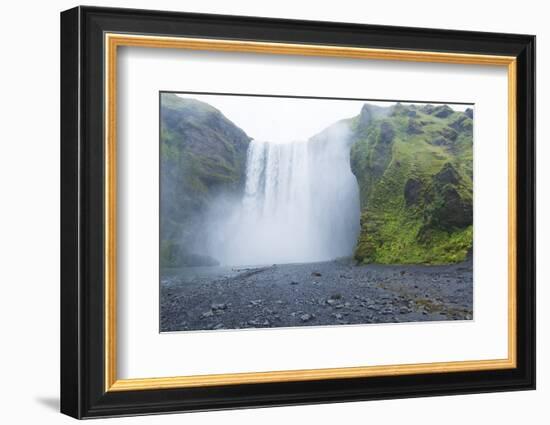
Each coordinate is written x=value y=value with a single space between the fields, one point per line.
x=282 y=120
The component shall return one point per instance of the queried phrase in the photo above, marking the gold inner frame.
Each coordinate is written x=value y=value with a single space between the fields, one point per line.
x=113 y=41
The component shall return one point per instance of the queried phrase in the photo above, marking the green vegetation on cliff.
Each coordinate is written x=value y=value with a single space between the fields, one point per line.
x=413 y=164
x=202 y=154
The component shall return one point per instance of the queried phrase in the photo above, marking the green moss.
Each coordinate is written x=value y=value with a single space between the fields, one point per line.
x=437 y=227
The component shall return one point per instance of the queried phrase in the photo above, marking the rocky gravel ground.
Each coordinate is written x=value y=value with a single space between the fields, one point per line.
x=313 y=294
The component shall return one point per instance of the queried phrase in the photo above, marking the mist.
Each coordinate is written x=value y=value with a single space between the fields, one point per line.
x=300 y=204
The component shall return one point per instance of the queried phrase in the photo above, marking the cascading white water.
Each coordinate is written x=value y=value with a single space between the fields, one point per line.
x=300 y=204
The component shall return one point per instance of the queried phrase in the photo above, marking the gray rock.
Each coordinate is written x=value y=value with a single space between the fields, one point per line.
x=306 y=317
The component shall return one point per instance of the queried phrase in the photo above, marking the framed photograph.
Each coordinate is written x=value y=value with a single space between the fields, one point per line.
x=261 y=212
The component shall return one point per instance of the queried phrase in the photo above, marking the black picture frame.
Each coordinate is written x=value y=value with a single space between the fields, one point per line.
x=83 y=392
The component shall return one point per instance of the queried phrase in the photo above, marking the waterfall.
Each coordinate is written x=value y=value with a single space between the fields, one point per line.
x=300 y=204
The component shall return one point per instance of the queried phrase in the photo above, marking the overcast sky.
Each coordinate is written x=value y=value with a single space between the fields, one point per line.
x=282 y=120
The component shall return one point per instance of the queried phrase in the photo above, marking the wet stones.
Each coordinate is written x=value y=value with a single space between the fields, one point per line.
x=391 y=294
x=306 y=317
x=207 y=314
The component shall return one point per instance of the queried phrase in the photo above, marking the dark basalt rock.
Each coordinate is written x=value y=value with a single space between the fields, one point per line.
x=441 y=141
x=387 y=133
x=406 y=110
x=462 y=123
x=454 y=211
x=442 y=111
x=447 y=175
x=449 y=133
x=413 y=192
x=450 y=208
x=414 y=127
x=427 y=109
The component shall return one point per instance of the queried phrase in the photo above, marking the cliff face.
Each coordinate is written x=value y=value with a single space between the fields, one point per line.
x=414 y=168
x=202 y=154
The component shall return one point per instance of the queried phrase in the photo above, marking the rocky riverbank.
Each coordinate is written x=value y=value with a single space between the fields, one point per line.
x=313 y=294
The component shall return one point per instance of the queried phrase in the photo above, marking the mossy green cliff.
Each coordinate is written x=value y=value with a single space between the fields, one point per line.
x=414 y=169
x=202 y=154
